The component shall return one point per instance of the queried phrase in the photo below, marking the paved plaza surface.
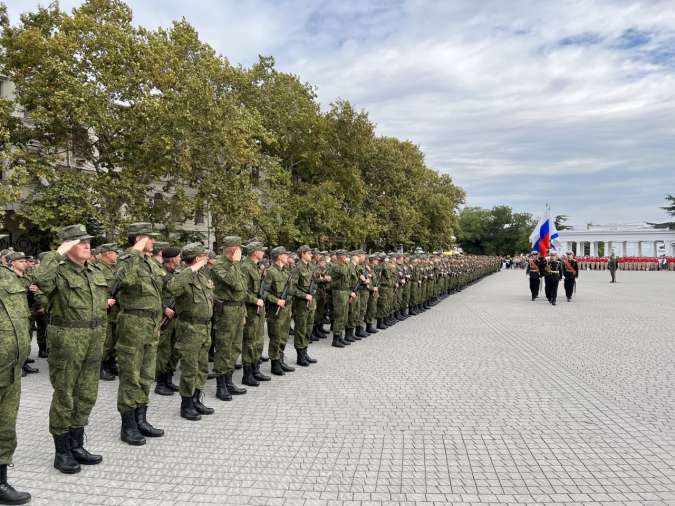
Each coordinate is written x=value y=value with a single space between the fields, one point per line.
x=486 y=398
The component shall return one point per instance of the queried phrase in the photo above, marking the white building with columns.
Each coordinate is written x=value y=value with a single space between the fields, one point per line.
x=622 y=240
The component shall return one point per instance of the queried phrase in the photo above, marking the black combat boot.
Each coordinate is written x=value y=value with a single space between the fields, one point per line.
x=285 y=366
x=187 y=409
x=259 y=375
x=276 y=368
x=231 y=387
x=320 y=332
x=337 y=341
x=222 y=392
x=130 y=433
x=313 y=337
x=400 y=316
x=309 y=359
x=168 y=381
x=370 y=328
x=199 y=405
x=361 y=332
x=162 y=388
x=63 y=459
x=28 y=369
x=380 y=324
x=8 y=495
x=349 y=335
x=106 y=374
x=248 y=378
x=301 y=360
x=413 y=310
x=79 y=452
x=145 y=427
x=112 y=365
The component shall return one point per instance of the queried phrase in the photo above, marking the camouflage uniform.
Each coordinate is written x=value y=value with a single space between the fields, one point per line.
x=340 y=286
x=14 y=348
x=230 y=315
x=303 y=311
x=139 y=278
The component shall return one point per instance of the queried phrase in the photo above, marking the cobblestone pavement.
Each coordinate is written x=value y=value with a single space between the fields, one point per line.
x=487 y=397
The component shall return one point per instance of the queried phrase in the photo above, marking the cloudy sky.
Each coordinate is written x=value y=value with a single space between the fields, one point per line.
x=521 y=102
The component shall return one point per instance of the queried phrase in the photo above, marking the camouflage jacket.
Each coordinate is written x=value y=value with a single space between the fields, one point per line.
x=14 y=334
x=139 y=278
x=229 y=281
x=193 y=293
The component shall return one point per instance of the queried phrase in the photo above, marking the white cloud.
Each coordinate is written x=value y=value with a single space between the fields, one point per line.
x=498 y=94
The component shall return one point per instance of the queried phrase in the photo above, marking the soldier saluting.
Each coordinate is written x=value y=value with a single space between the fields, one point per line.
x=78 y=302
x=138 y=289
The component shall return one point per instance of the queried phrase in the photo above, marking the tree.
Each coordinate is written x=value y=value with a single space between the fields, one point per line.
x=670 y=209
x=496 y=231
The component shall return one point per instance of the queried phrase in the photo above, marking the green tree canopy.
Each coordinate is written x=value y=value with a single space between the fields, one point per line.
x=496 y=231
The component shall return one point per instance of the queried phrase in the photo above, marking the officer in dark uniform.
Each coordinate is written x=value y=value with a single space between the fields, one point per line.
x=553 y=271
x=535 y=270
x=571 y=273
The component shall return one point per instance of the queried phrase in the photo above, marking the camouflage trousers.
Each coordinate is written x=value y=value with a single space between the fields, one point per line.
x=192 y=348
x=364 y=295
x=354 y=312
x=137 y=338
x=10 y=394
x=41 y=330
x=371 y=309
x=340 y=310
x=167 y=355
x=110 y=341
x=74 y=362
x=303 y=320
x=383 y=302
x=277 y=328
x=254 y=335
x=229 y=333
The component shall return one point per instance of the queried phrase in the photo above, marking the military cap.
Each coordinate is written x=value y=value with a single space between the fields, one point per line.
x=158 y=246
x=231 y=241
x=72 y=232
x=341 y=252
x=6 y=252
x=170 y=252
x=278 y=251
x=16 y=255
x=302 y=249
x=254 y=246
x=211 y=254
x=324 y=253
x=141 y=229
x=192 y=250
x=105 y=248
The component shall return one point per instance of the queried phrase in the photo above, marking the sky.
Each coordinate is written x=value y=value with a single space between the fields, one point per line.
x=521 y=102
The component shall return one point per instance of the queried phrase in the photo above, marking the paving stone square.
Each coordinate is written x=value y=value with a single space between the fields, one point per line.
x=487 y=398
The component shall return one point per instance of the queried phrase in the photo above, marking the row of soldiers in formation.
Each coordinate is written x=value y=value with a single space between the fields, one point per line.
x=141 y=313
x=552 y=269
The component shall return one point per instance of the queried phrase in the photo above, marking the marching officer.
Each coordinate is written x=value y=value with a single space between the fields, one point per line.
x=571 y=273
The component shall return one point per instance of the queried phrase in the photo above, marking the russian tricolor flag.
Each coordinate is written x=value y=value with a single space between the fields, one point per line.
x=545 y=235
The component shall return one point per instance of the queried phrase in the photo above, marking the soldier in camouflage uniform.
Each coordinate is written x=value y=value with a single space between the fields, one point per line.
x=386 y=289
x=192 y=290
x=303 y=305
x=341 y=291
x=322 y=295
x=278 y=310
x=374 y=295
x=106 y=263
x=254 y=328
x=78 y=301
x=139 y=293
x=18 y=263
x=230 y=315
x=14 y=347
x=167 y=355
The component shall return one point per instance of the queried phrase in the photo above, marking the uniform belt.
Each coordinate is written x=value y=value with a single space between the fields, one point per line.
x=194 y=319
x=76 y=324
x=141 y=312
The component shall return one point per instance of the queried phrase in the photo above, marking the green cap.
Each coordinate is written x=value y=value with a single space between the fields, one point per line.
x=141 y=229
x=6 y=252
x=254 y=246
x=231 y=241
x=302 y=249
x=277 y=252
x=72 y=232
x=158 y=246
x=105 y=248
x=192 y=250
x=16 y=255
x=341 y=252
